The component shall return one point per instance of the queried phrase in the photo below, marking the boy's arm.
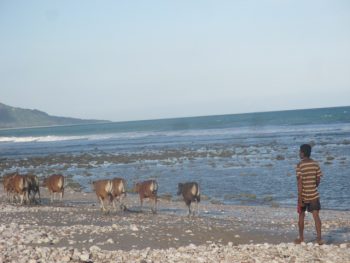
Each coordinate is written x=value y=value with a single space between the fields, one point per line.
x=300 y=190
x=299 y=185
x=318 y=176
x=318 y=181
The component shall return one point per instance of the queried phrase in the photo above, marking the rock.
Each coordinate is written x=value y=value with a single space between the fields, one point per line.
x=85 y=256
x=110 y=241
x=94 y=248
x=343 y=245
x=134 y=228
x=65 y=259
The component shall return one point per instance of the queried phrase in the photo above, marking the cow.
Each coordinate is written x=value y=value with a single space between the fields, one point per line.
x=18 y=185
x=33 y=187
x=147 y=189
x=190 y=193
x=8 y=188
x=118 y=191
x=55 y=184
x=103 y=190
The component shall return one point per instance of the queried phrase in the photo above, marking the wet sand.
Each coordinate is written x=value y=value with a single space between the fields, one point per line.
x=75 y=230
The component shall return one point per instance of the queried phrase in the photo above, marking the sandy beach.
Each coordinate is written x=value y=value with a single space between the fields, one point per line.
x=75 y=230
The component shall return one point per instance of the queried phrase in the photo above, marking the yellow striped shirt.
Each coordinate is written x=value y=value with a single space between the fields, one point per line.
x=309 y=171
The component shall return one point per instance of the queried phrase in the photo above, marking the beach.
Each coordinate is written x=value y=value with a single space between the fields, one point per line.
x=76 y=230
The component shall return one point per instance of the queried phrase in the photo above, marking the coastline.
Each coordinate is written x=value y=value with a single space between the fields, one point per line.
x=75 y=230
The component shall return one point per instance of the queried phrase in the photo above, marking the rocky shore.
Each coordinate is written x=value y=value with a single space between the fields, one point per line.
x=77 y=231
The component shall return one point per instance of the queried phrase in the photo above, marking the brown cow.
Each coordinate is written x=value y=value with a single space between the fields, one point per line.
x=8 y=188
x=55 y=184
x=190 y=193
x=103 y=190
x=147 y=189
x=18 y=185
x=118 y=191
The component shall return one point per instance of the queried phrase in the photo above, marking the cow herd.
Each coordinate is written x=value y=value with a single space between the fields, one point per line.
x=115 y=189
x=25 y=188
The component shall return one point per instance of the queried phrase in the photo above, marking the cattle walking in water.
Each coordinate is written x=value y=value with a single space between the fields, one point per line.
x=147 y=189
x=55 y=184
x=190 y=192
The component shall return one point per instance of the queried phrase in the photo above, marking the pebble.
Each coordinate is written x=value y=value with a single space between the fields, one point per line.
x=85 y=257
x=110 y=241
x=343 y=245
x=134 y=228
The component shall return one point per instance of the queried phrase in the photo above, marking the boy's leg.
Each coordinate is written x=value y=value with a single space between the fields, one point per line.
x=301 y=228
x=318 y=226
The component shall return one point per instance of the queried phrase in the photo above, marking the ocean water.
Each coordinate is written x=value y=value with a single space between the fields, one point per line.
x=237 y=159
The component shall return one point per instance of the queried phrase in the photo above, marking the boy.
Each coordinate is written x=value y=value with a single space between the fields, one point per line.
x=308 y=177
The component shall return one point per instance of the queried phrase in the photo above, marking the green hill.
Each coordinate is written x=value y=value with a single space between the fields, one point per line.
x=11 y=117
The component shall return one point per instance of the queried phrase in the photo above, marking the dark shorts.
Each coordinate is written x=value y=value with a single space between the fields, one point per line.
x=313 y=205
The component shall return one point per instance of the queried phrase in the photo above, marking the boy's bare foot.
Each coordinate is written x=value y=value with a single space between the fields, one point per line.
x=320 y=242
x=298 y=241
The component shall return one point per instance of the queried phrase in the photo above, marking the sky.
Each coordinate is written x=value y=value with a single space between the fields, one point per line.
x=137 y=60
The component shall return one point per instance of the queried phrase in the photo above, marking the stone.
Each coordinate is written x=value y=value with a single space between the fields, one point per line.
x=110 y=241
x=343 y=245
x=94 y=248
x=134 y=228
x=85 y=256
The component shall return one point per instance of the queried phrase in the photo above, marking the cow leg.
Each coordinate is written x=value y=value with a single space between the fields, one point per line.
x=61 y=196
x=26 y=197
x=156 y=204
x=197 y=204
x=113 y=204
x=102 y=204
x=39 y=195
x=121 y=204
x=21 y=196
x=188 y=203
x=154 y=210
x=141 y=201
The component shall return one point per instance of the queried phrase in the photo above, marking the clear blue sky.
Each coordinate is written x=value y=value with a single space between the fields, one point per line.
x=130 y=60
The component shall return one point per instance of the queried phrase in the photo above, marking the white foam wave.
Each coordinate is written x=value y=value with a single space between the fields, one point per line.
x=39 y=138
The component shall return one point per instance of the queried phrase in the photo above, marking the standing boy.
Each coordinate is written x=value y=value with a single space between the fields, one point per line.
x=308 y=177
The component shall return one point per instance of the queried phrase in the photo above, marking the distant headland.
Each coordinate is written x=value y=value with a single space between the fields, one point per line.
x=13 y=117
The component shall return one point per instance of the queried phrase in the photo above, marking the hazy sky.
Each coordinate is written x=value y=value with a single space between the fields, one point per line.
x=129 y=60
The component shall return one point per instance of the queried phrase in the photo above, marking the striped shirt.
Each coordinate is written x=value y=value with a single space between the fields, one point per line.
x=309 y=171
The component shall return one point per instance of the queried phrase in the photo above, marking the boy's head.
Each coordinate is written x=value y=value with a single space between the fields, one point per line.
x=305 y=151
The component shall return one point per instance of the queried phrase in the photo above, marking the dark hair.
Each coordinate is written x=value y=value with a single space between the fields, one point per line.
x=306 y=149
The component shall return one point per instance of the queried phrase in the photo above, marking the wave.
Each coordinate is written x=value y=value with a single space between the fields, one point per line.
x=39 y=138
x=224 y=132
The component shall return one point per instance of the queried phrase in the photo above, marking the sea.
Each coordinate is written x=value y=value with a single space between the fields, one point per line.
x=238 y=159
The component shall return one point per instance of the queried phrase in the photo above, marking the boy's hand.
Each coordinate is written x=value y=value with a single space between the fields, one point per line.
x=300 y=201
